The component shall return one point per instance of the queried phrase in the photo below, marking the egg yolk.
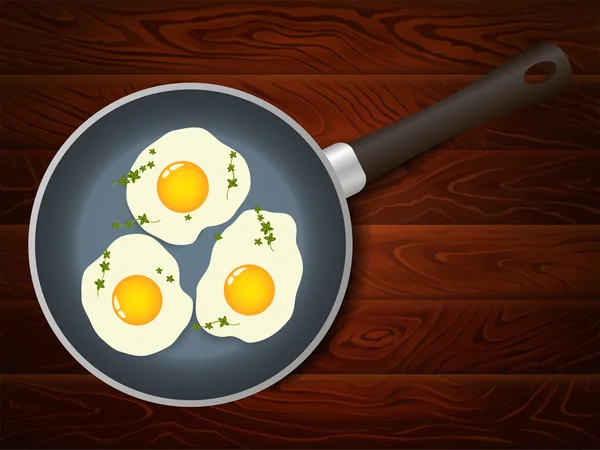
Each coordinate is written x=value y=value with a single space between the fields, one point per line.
x=137 y=300
x=182 y=187
x=249 y=290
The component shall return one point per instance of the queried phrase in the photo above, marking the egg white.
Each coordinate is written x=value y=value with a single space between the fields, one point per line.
x=237 y=248
x=200 y=147
x=136 y=254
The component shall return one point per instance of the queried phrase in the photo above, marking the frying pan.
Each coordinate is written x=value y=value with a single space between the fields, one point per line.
x=75 y=206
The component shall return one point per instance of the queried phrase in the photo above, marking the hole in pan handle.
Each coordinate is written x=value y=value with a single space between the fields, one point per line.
x=500 y=92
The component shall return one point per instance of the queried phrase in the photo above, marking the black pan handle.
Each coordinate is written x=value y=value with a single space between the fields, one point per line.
x=502 y=91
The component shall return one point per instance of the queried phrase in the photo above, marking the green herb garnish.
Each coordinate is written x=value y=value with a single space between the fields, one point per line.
x=123 y=181
x=158 y=270
x=222 y=321
x=99 y=285
x=170 y=278
x=188 y=217
x=270 y=238
x=266 y=229
x=105 y=266
x=135 y=174
x=218 y=237
x=232 y=182
x=141 y=219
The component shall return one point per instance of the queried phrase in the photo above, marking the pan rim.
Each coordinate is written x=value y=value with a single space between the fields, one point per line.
x=33 y=260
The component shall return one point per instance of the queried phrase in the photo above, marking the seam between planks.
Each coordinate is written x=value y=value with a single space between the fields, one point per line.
x=415 y=376
x=595 y=77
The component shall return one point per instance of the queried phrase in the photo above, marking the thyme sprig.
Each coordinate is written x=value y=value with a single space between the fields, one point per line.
x=266 y=229
x=135 y=174
x=105 y=266
x=231 y=168
x=141 y=219
x=222 y=321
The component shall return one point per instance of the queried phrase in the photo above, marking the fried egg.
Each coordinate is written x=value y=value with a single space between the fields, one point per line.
x=184 y=182
x=132 y=296
x=252 y=278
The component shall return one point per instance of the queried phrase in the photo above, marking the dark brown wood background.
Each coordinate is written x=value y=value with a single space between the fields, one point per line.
x=472 y=317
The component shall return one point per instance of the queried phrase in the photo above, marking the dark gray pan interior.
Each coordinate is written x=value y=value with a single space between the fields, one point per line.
x=79 y=205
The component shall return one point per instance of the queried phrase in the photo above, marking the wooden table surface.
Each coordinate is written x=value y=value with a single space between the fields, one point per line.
x=472 y=318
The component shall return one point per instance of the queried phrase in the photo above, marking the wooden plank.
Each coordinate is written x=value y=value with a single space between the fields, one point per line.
x=20 y=176
x=430 y=261
x=476 y=262
x=308 y=411
x=296 y=37
x=15 y=278
x=442 y=187
x=387 y=336
x=41 y=112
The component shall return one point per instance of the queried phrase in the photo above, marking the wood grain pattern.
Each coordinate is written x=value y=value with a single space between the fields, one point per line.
x=479 y=262
x=442 y=187
x=20 y=176
x=386 y=336
x=476 y=262
x=482 y=187
x=410 y=262
x=15 y=278
x=308 y=411
x=41 y=112
x=288 y=37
